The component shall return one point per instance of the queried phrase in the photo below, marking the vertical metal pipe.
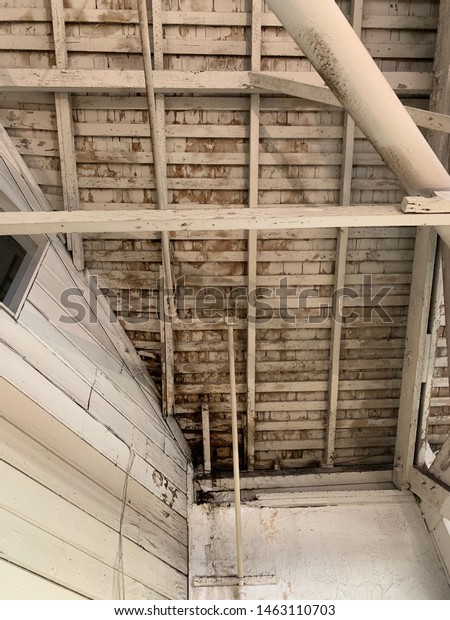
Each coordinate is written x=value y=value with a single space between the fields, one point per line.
x=323 y=33
x=237 y=483
x=158 y=165
x=206 y=440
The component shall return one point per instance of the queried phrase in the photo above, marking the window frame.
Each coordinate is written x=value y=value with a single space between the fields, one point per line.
x=16 y=296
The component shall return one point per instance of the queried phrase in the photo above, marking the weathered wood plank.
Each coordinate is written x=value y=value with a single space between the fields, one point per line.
x=53 y=364
x=73 y=469
x=26 y=499
x=422 y=281
x=66 y=412
x=92 y=80
x=201 y=18
x=61 y=562
x=319 y=444
x=16 y=223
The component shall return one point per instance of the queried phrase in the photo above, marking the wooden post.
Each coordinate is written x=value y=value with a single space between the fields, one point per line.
x=415 y=344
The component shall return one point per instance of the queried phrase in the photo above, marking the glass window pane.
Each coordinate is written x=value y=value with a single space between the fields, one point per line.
x=12 y=255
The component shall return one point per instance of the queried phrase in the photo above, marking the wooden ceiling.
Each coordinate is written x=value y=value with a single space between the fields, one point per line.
x=311 y=392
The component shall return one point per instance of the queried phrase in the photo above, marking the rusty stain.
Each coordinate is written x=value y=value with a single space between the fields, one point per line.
x=268 y=525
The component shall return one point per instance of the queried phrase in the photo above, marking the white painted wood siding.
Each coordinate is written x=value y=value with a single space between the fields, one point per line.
x=93 y=501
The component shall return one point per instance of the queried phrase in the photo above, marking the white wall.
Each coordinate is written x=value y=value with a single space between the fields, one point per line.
x=93 y=483
x=375 y=547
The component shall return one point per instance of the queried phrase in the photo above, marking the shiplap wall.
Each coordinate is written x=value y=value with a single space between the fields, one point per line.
x=94 y=486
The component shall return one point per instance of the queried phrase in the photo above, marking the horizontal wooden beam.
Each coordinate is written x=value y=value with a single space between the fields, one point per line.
x=440 y=203
x=200 y=18
x=226 y=82
x=287 y=481
x=28 y=223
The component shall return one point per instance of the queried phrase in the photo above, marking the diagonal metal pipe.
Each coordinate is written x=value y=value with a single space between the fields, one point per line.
x=323 y=33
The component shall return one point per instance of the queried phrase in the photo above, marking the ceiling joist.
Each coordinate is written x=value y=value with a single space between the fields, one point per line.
x=195 y=82
x=29 y=223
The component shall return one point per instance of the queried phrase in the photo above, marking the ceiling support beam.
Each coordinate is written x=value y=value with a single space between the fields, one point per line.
x=340 y=267
x=414 y=359
x=294 y=87
x=440 y=102
x=253 y=241
x=158 y=140
x=323 y=95
x=212 y=82
x=214 y=219
x=423 y=448
x=156 y=113
x=323 y=33
x=66 y=141
x=360 y=86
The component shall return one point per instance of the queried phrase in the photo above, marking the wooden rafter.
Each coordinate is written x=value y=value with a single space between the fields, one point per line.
x=215 y=219
x=65 y=133
x=157 y=126
x=340 y=266
x=323 y=95
x=253 y=238
x=213 y=82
